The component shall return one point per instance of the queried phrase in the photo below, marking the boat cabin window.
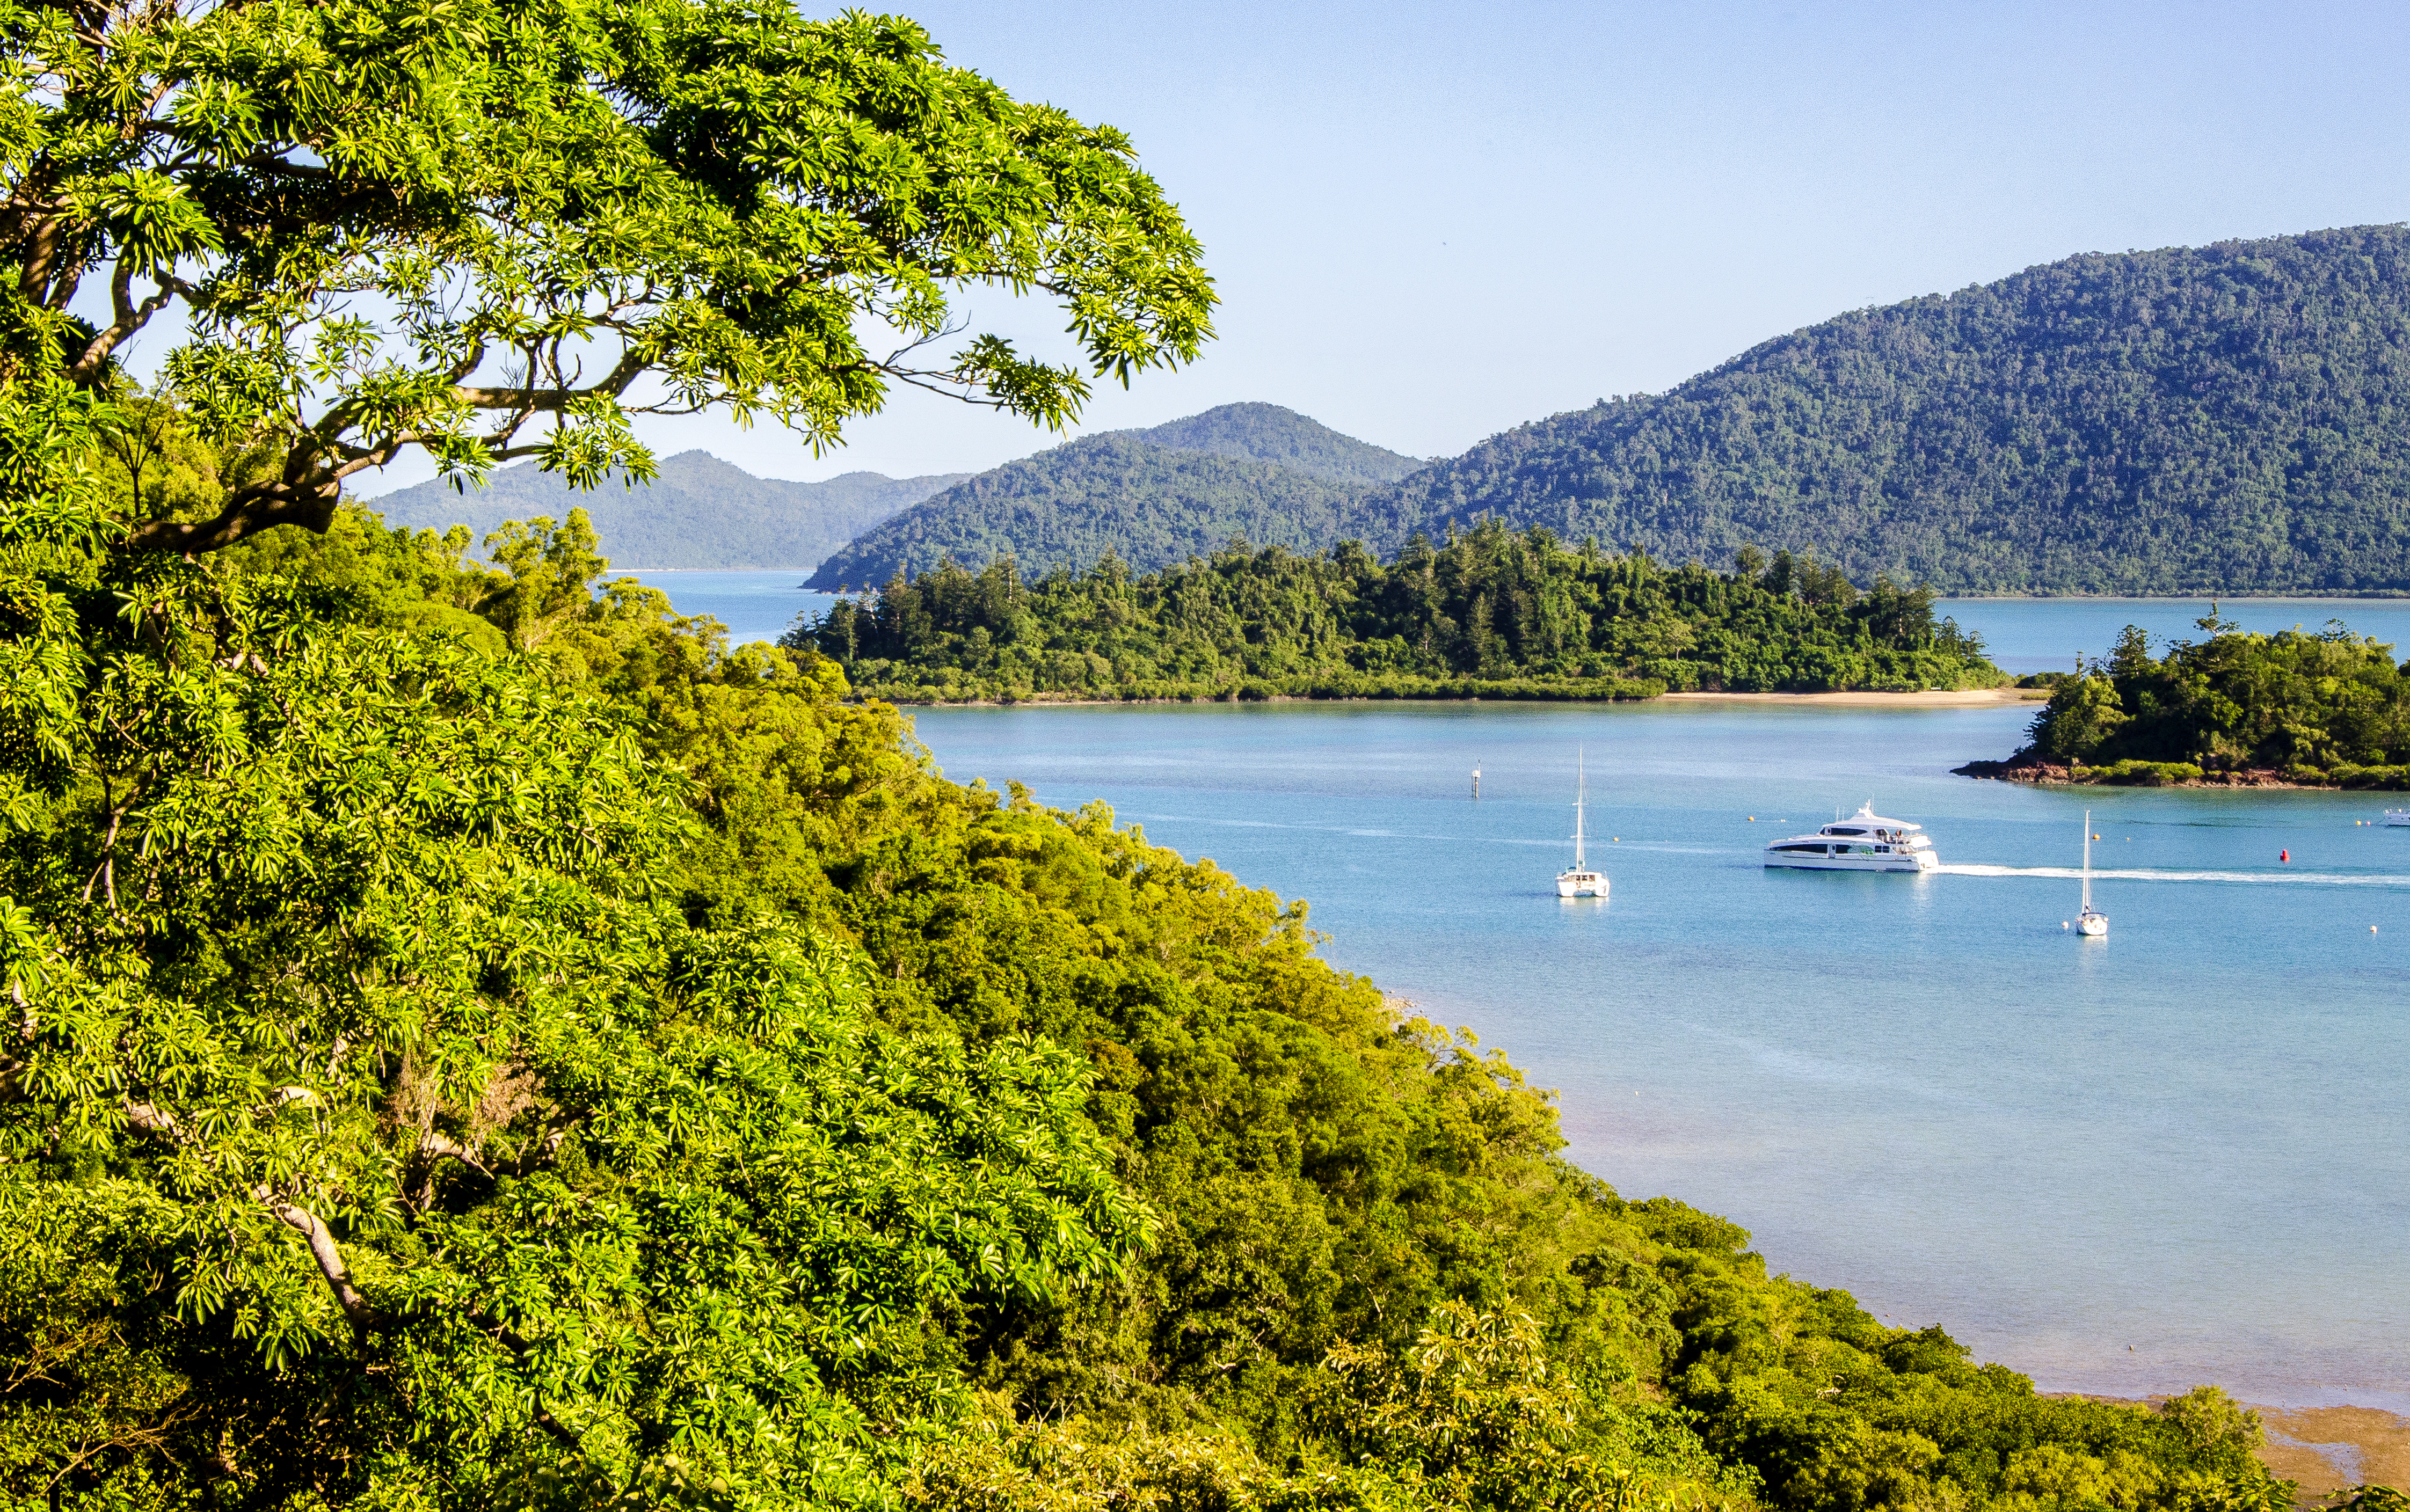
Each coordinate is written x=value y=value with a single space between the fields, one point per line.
x=1836 y=829
x=1811 y=850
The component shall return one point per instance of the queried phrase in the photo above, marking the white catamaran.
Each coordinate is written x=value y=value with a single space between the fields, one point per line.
x=2091 y=921
x=1581 y=881
x=1864 y=841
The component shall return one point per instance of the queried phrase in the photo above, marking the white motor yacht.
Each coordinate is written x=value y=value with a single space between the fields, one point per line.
x=1581 y=882
x=2397 y=817
x=1863 y=842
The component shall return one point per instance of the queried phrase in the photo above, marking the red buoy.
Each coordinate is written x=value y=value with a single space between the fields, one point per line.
x=2284 y=855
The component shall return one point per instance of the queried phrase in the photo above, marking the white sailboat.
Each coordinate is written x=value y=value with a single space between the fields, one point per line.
x=1581 y=882
x=2091 y=921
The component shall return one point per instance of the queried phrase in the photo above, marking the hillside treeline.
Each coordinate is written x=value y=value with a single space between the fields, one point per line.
x=1152 y=497
x=2190 y=420
x=1491 y=612
x=2324 y=708
x=486 y=1043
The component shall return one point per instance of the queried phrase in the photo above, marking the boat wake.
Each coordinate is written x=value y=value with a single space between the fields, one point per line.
x=2069 y=873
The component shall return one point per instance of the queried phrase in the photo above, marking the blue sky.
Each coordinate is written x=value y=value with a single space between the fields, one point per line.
x=1429 y=223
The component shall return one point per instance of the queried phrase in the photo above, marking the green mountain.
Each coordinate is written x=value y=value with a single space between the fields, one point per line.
x=1153 y=498
x=1268 y=433
x=699 y=512
x=2228 y=419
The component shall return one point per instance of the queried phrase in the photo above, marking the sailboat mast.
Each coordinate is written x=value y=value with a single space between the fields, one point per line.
x=1581 y=792
x=2088 y=860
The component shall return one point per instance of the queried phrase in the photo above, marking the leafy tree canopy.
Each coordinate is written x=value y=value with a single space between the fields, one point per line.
x=499 y=228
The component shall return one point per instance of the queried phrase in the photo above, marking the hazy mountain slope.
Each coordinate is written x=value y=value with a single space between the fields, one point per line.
x=2217 y=419
x=1269 y=433
x=700 y=513
x=1066 y=507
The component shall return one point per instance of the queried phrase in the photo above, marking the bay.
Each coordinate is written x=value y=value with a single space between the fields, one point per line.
x=2123 y=1166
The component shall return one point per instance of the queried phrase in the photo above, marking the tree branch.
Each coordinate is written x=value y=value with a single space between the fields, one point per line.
x=310 y=504
x=364 y=1317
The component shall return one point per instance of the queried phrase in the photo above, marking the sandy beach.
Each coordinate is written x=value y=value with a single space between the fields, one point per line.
x=1961 y=699
x=2328 y=1448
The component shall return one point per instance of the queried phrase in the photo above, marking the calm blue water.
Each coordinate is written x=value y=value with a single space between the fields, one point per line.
x=755 y=606
x=2178 y=1155
x=2045 y=634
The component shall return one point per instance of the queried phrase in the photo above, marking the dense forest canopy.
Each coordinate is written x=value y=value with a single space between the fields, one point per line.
x=2232 y=418
x=1151 y=497
x=696 y=511
x=2325 y=707
x=1491 y=612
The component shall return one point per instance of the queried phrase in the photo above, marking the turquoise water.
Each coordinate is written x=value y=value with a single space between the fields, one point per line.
x=2127 y=1166
x=2180 y=1153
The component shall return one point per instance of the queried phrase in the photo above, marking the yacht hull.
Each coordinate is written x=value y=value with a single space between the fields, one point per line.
x=1581 y=885
x=1918 y=862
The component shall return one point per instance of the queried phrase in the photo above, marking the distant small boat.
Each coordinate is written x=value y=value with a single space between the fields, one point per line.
x=2091 y=921
x=1864 y=841
x=2399 y=816
x=1581 y=881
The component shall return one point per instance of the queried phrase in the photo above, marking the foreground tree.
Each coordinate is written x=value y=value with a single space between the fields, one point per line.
x=372 y=1123
x=499 y=228
x=375 y=1123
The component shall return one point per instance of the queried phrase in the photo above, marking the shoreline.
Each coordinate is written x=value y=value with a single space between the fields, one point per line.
x=2327 y=1449
x=1929 y=698
x=2321 y=1449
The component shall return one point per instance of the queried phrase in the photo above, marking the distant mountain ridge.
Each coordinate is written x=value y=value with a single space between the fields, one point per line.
x=699 y=512
x=2224 y=419
x=1155 y=498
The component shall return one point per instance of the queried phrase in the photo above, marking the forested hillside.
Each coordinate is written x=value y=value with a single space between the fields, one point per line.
x=1492 y=613
x=1151 y=497
x=699 y=512
x=1149 y=505
x=2232 y=418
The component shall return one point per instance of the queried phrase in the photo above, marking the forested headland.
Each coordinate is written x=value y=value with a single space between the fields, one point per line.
x=1490 y=614
x=2324 y=709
